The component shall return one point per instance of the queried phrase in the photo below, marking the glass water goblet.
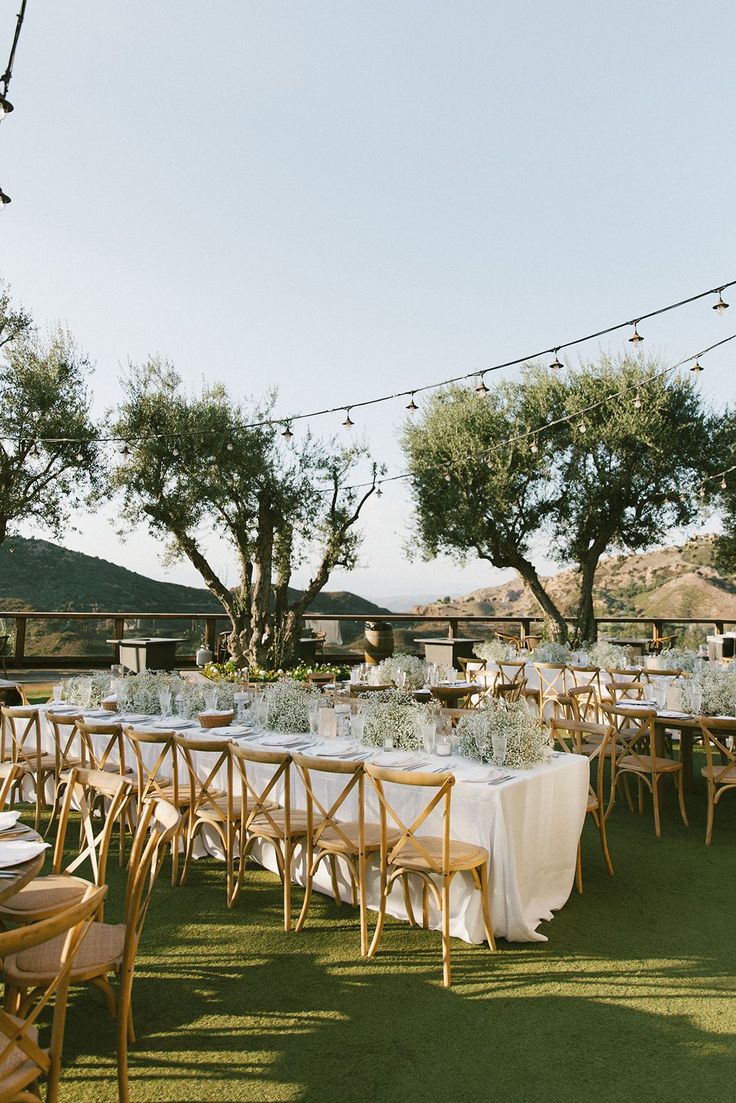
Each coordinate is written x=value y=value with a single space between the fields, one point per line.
x=164 y=701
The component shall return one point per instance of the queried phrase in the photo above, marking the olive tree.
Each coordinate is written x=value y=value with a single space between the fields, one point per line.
x=504 y=474
x=47 y=447
x=201 y=472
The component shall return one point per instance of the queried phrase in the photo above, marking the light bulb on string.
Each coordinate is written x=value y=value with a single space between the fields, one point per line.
x=348 y=423
x=724 y=484
x=79 y=457
x=637 y=401
x=556 y=364
x=448 y=477
x=701 y=492
x=286 y=432
x=379 y=492
x=480 y=387
x=174 y=451
x=636 y=337
x=124 y=449
x=412 y=406
x=720 y=307
x=583 y=427
x=229 y=446
x=534 y=447
x=4 y=199
x=697 y=367
x=5 y=107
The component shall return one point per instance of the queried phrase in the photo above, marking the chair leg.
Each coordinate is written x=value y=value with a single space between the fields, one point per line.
x=711 y=813
x=287 y=884
x=485 y=903
x=363 y=905
x=382 y=892
x=311 y=870
x=655 y=802
x=333 y=878
x=407 y=899
x=680 y=786
x=601 y=821
x=125 y=1030
x=579 y=869
x=446 y=967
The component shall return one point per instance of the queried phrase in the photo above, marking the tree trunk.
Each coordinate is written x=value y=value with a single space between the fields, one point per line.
x=550 y=610
x=260 y=606
x=585 y=623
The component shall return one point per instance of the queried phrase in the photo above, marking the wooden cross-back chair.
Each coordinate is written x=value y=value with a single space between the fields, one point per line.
x=266 y=815
x=35 y=693
x=471 y=667
x=330 y=839
x=405 y=853
x=621 y=691
x=70 y=750
x=159 y=779
x=581 y=703
x=209 y=804
x=91 y=792
x=552 y=683
x=510 y=671
x=106 y=949
x=596 y=742
x=508 y=691
x=720 y=776
x=636 y=756
x=23 y=724
x=11 y=777
x=586 y=676
x=106 y=749
x=23 y=1060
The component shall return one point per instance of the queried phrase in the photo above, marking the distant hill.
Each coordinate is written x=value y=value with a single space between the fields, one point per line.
x=41 y=576
x=679 y=581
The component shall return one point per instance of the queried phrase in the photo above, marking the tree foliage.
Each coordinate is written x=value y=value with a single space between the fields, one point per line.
x=43 y=399
x=199 y=477
x=616 y=477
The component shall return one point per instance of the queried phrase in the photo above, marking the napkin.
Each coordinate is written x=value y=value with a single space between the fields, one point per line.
x=15 y=851
x=8 y=820
x=477 y=774
x=397 y=761
x=331 y=748
x=174 y=722
x=96 y=714
x=283 y=740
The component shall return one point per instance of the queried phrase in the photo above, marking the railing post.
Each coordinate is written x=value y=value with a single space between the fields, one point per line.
x=210 y=635
x=118 y=631
x=452 y=628
x=525 y=624
x=20 y=641
x=719 y=625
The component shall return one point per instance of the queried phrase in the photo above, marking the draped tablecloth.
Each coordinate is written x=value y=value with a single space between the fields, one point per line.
x=530 y=824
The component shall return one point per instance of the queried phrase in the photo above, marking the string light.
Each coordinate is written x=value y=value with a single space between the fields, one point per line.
x=287 y=433
x=583 y=427
x=637 y=401
x=636 y=337
x=379 y=492
x=174 y=451
x=5 y=107
x=412 y=406
x=480 y=387
x=348 y=422
x=556 y=364
x=720 y=307
x=229 y=446
x=4 y=199
x=534 y=447
x=724 y=484
x=697 y=367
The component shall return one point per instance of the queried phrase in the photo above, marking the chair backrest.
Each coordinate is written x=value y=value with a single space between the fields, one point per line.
x=159 y=777
x=91 y=791
x=633 y=731
x=623 y=674
x=509 y=691
x=625 y=690
x=104 y=745
x=326 y=816
x=21 y=1034
x=257 y=797
x=715 y=733
x=552 y=678
x=205 y=794
x=586 y=676
x=506 y=637
x=24 y=725
x=571 y=736
x=651 y=676
x=65 y=728
x=471 y=667
x=158 y=823
x=441 y=786
x=583 y=703
x=510 y=671
x=10 y=775
x=35 y=693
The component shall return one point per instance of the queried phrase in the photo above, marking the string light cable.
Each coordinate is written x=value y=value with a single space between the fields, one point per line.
x=5 y=105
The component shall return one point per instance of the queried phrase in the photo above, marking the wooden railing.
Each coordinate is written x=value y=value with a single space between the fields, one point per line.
x=17 y=622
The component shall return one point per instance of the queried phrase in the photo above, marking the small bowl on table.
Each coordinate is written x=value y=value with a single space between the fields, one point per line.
x=216 y=719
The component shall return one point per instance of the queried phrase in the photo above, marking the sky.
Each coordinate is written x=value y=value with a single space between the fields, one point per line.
x=344 y=199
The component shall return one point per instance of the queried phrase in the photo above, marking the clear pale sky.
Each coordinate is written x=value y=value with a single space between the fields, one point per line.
x=342 y=199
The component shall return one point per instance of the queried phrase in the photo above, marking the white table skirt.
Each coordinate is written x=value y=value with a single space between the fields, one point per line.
x=530 y=825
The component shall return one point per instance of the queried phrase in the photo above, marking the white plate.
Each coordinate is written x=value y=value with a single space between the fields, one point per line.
x=282 y=740
x=8 y=820
x=15 y=851
x=333 y=748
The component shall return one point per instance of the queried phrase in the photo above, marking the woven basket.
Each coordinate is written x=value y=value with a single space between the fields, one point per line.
x=215 y=719
x=110 y=706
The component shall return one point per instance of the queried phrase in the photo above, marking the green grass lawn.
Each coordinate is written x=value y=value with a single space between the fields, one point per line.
x=631 y=998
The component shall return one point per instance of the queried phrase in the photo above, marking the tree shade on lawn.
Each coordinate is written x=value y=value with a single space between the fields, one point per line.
x=633 y=993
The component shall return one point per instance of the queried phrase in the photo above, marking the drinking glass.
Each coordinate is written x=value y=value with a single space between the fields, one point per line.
x=388 y=742
x=57 y=692
x=210 y=698
x=357 y=727
x=499 y=748
x=429 y=737
x=452 y=674
x=314 y=720
x=401 y=680
x=117 y=670
x=181 y=705
x=164 y=701
x=240 y=700
x=696 y=699
x=85 y=693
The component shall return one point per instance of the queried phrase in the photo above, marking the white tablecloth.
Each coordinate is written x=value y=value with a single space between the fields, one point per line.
x=530 y=824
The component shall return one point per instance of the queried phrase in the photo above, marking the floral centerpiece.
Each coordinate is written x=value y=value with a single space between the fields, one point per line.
x=677 y=658
x=403 y=671
x=139 y=692
x=527 y=739
x=286 y=706
x=494 y=651
x=303 y=672
x=99 y=684
x=390 y=712
x=605 y=655
x=712 y=692
x=550 y=651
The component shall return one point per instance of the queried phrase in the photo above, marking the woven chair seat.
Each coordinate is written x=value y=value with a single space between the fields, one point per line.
x=16 y=1067
x=216 y=814
x=331 y=838
x=726 y=775
x=100 y=950
x=45 y=896
x=44 y=762
x=646 y=764
x=462 y=855
x=263 y=825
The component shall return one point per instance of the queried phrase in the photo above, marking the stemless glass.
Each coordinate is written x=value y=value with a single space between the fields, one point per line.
x=429 y=737
x=85 y=693
x=164 y=701
x=57 y=692
x=180 y=702
x=357 y=727
x=210 y=698
x=499 y=748
x=314 y=719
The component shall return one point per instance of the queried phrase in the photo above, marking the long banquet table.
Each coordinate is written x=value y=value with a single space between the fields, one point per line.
x=530 y=822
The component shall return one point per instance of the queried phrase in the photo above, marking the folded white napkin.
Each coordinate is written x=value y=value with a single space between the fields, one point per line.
x=397 y=760
x=476 y=773
x=8 y=820
x=174 y=722
x=15 y=851
x=282 y=740
x=330 y=748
